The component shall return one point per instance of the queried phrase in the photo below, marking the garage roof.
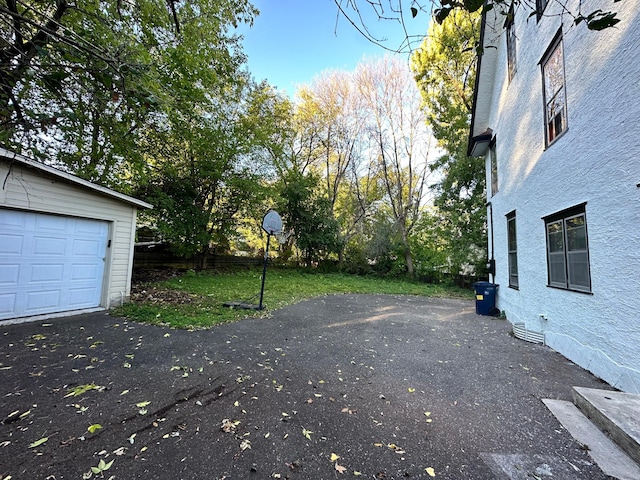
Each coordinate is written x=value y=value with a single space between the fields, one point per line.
x=28 y=162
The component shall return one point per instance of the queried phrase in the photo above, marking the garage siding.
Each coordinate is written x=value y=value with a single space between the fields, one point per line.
x=31 y=190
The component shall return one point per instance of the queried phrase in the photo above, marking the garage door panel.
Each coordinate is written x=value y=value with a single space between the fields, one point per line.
x=10 y=244
x=82 y=297
x=83 y=272
x=9 y=274
x=14 y=220
x=90 y=248
x=7 y=304
x=41 y=301
x=49 y=246
x=49 y=263
x=52 y=223
x=46 y=273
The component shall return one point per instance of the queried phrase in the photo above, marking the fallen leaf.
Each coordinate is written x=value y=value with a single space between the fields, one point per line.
x=80 y=389
x=307 y=433
x=142 y=404
x=430 y=471
x=94 y=427
x=23 y=415
x=340 y=468
x=37 y=443
x=334 y=457
x=356 y=473
x=411 y=390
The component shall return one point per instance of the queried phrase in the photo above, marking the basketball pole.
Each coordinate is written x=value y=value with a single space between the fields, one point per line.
x=264 y=271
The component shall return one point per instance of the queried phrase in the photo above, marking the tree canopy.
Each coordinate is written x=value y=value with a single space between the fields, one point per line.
x=445 y=74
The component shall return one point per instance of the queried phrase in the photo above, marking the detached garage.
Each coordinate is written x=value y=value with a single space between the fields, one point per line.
x=65 y=244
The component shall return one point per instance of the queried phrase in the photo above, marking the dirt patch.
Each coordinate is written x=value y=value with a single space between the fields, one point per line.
x=161 y=296
x=144 y=290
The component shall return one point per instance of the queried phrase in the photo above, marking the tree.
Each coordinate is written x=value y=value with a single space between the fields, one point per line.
x=445 y=74
x=307 y=213
x=201 y=173
x=88 y=76
x=399 y=142
x=331 y=109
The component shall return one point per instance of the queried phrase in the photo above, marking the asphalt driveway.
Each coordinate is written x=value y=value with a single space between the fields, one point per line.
x=340 y=386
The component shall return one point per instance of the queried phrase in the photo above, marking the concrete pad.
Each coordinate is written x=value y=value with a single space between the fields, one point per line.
x=526 y=467
x=616 y=413
x=611 y=459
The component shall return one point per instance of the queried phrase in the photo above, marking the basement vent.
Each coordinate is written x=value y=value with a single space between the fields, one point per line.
x=522 y=333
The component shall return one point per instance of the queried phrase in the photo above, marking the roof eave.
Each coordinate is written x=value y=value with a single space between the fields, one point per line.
x=28 y=162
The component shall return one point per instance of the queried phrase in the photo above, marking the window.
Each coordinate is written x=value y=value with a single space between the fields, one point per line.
x=494 y=169
x=568 y=250
x=511 y=45
x=555 y=102
x=512 y=247
x=540 y=6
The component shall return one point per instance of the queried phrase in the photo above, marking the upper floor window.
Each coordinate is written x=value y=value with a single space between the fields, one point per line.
x=511 y=45
x=540 y=6
x=555 y=101
x=568 y=249
x=494 y=169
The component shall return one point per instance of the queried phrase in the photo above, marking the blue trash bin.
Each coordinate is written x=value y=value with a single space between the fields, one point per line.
x=485 y=298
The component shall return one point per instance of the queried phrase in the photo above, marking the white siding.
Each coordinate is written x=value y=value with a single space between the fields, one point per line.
x=596 y=161
x=28 y=189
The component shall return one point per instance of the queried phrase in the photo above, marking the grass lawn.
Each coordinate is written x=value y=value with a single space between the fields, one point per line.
x=195 y=300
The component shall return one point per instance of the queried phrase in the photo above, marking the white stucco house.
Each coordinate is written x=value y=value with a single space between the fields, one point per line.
x=556 y=117
x=66 y=245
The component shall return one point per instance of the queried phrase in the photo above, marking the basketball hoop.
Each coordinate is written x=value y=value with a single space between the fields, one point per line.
x=272 y=223
x=283 y=237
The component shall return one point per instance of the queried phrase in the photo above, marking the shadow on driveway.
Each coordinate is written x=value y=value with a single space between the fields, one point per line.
x=383 y=387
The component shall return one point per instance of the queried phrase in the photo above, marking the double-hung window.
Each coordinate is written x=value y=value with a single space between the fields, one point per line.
x=555 y=100
x=494 y=169
x=568 y=249
x=512 y=248
x=540 y=6
x=511 y=44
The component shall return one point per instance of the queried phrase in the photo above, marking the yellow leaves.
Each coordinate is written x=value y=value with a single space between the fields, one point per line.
x=229 y=426
x=428 y=414
x=37 y=443
x=307 y=433
x=80 y=389
x=334 y=457
x=430 y=471
x=142 y=404
x=411 y=390
x=94 y=428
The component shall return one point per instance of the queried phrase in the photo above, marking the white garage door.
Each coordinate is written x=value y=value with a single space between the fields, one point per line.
x=49 y=263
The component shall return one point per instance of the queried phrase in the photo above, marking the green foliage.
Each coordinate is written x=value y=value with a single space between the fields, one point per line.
x=93 y=76
x=283 y=287
x=445 y=74
x=308 y=214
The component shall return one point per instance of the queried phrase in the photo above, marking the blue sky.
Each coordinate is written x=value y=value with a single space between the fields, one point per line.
x=292 y=41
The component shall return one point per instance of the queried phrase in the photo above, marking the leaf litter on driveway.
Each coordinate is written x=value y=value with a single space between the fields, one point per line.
x=273 y=396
